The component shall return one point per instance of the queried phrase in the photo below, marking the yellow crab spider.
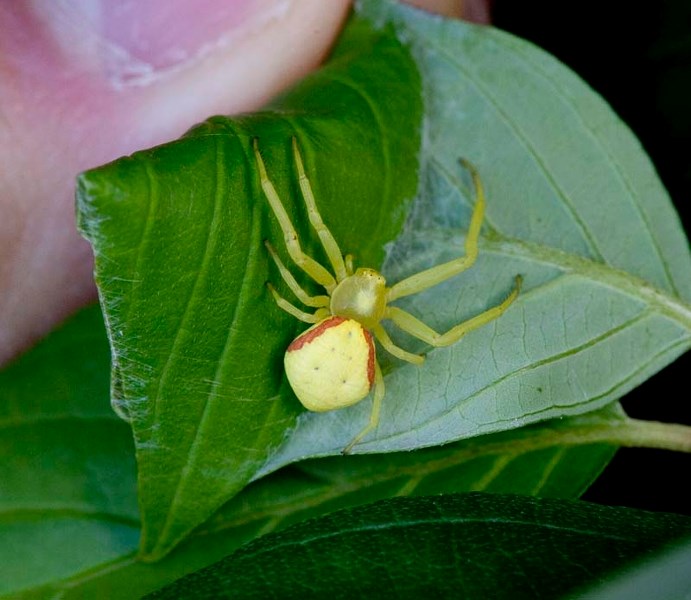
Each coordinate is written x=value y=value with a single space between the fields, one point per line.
x=333 y=364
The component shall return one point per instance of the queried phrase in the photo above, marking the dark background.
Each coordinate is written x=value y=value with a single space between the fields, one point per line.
x=639 y=59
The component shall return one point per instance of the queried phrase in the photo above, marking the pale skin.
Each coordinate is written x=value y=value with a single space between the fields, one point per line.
x=362 y=294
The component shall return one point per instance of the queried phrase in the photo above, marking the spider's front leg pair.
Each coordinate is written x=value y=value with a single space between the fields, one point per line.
x=333 y=364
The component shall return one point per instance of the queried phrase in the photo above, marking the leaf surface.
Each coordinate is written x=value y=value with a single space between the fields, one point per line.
x=67 y=471
x=472 y=546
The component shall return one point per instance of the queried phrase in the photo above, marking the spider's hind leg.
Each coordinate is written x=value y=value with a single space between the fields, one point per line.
x=376 y=409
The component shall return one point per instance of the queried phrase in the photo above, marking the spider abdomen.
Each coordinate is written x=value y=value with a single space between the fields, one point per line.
x=331 y=365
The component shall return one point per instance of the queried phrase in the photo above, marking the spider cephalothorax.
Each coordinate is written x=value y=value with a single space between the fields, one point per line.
x=333 y=364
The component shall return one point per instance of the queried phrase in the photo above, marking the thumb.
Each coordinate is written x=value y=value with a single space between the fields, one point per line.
x=82 y=82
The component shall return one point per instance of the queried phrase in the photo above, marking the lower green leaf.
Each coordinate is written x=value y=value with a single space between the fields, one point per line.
x=67 y=470
x=471 y=546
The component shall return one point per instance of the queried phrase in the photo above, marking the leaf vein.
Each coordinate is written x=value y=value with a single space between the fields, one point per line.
x=210 y=244
x=371 y=105
x=518 y=50
x=457 y=407
x=524 y=139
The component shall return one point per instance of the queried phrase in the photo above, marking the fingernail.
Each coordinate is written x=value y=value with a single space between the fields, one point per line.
x=136 y=41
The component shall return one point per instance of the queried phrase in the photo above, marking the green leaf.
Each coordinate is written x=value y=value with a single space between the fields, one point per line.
x=177 y=233
x=527 y=463
x=67 y=472
x=540 y=459
x=573 y=204
x=474 y=546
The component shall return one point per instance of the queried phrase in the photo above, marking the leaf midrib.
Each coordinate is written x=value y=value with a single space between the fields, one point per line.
x=604 y=274
x=444 y=520
x=528 y=441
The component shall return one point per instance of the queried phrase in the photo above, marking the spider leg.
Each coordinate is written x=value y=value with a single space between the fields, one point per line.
x=319 y=315
x=431 y=277
x=376 y=409
x=306 y=263
x=420 y=330
x=300 y=294
x=384 y=339
x=349 y=264
x=327 y=239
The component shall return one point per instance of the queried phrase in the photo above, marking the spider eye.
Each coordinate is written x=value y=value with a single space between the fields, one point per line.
x=370 y=274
